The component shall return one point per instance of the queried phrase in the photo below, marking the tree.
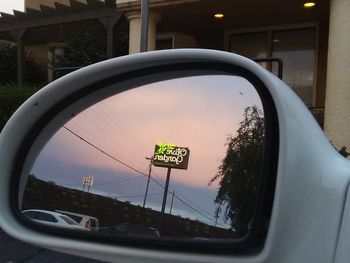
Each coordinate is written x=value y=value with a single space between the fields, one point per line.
x=8 y=64
x=85 y=48
x=11 y=97
x=239 y=171
x=33 y=73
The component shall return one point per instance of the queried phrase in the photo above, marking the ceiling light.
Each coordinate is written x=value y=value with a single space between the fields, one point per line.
x=219 y=16
x=309 y=4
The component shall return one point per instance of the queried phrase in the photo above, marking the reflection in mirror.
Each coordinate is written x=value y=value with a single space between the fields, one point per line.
x=178 y=158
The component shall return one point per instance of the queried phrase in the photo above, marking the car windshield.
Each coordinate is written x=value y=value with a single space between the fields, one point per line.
x=68 y=220
x=74 y=217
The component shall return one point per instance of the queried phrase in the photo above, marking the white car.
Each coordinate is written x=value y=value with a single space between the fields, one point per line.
x=51 y=218
x=85 y=221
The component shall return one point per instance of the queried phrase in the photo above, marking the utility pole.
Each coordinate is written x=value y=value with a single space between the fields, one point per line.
x=172 y=201
x=148 y=179
x=144 y=26
x=166 y=189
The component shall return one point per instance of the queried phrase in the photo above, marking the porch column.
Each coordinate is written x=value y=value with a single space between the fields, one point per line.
x=18 y=36
x=134 y=19
x=337 y=105
x=109 y=24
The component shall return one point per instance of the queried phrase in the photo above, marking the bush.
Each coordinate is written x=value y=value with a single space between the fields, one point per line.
x=8 y=62
x=33 y=74
x=11 y=97
x=83 y=48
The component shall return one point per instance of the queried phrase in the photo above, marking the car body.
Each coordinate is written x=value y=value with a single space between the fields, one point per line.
x=86 y=221
x=51 y=218
x=132 y=230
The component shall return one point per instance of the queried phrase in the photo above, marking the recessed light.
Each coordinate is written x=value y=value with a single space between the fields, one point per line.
x=309 y=4
x=219 y=16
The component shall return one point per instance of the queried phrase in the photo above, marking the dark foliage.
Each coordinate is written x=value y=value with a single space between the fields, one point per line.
x=11 y=97
x=33 y=74
x=8 y=64
x=84 y=48
x=239 y=171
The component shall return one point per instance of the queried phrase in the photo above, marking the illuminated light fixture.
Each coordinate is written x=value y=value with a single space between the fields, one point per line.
x=309 y=4
x=219 y=16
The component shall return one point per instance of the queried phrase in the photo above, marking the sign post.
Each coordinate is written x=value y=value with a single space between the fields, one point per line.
x=164 y=198
x=148 y=179
x=171 y=157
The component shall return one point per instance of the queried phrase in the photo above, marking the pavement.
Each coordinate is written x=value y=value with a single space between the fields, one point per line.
x=14 y=251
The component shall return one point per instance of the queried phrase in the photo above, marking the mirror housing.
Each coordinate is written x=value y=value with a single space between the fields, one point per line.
x=309 y=180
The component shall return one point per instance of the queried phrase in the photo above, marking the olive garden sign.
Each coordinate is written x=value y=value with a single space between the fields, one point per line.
x=171 y=156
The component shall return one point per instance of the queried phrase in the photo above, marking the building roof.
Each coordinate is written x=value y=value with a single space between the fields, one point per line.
x=59 y=14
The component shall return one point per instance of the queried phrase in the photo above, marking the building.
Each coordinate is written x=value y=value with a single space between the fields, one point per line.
x=313 y=42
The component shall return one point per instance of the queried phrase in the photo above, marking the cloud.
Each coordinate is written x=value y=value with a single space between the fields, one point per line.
x=196 y=112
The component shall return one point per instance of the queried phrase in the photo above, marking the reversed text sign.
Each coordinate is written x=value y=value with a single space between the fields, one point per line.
x=171 y=156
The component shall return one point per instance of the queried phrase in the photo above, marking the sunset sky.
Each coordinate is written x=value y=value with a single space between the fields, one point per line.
x=195 y=112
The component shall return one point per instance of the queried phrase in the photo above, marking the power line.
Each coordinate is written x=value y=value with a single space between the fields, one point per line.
x=105 y=153
x=87 y=132
x=194 y=209
x=134 y=196
x=120 y=181
x=116 y=122
x=189 y=201
x=136 y=170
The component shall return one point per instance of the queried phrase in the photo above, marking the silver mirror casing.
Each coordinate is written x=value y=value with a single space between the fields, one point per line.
x=312 y=180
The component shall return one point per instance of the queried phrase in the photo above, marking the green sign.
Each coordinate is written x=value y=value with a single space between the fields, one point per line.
x=171 y=156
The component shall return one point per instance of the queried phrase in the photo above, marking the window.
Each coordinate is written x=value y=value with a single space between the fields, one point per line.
x=252 y=45
x=295 y=46
x=45 y=217
x=30 y=214
x=68 y=220
x=74 y=217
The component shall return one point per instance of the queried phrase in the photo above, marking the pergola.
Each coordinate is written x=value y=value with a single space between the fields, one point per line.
x=15 y=27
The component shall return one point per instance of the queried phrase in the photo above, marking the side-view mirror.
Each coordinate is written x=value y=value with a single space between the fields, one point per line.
x=184 y=155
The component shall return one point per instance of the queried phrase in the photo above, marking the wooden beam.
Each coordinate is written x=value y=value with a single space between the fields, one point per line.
x=95 y=4
x=78 y=6
x=20 y=16
x=60 y=19
x=7 y=18
x=33 y=13
x=20 y=62
x=111 y=3
x=47 y=11
x=18 y=35
x=62 y=9
x=109 y=24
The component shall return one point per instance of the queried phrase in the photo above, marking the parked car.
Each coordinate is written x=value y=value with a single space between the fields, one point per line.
x=86 y=221
x=51 y=218
x=132 y=230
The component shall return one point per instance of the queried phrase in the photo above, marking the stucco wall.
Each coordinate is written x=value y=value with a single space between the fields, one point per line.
x=337 y=111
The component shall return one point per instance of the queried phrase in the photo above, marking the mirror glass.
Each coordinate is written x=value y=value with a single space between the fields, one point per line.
x=178 y=158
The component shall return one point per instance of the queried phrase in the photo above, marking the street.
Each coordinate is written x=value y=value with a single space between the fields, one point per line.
x=14 y=251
